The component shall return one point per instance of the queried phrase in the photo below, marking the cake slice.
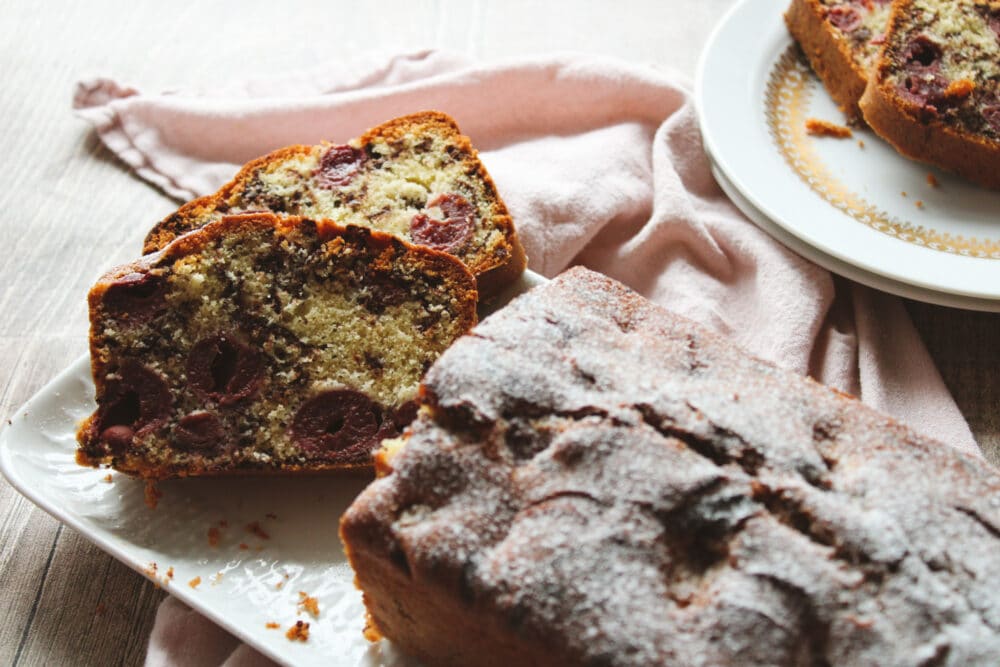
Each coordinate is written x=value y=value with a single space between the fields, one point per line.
x=264 y=344
x=841 y=39
x=935 y=94
x=416 y=177
x=593 y=480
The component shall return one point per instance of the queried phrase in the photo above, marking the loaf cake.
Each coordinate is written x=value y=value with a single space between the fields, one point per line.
x=593 y=480
x=264 y=344
x=935 y=93
x=841 y=39
x=416 y=177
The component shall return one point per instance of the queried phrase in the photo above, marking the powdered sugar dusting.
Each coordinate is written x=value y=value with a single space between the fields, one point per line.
x=609 y=484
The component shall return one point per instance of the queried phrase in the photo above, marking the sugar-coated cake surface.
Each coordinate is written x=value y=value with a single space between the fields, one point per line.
x=416 y=177
x=595 y=481
x=258 y=343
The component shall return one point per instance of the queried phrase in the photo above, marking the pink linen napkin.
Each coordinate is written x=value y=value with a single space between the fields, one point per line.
x=600 y=162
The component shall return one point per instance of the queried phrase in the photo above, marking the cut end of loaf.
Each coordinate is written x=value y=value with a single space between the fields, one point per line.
x=255 y=344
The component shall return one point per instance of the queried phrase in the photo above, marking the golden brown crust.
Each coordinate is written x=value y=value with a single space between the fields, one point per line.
x=928 y=140
x=494 y=266
x=141 y=468
x=428 y=615
x=829 y=54
x=971 y=157
x=179 y=222
x=397 y=128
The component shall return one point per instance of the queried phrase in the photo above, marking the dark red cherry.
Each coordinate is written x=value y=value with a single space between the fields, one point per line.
x=200 y=431
x=338 y=166
x=335 y=420
x=136 y=296
x=225 y=369
x=450 y=234
x=136 y=400
x=845 y=18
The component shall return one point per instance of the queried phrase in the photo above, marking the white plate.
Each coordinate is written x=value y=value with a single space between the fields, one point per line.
x=240 y=576
x=844 y=269
x=833 y=198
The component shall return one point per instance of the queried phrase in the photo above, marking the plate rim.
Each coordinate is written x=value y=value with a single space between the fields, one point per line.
x=849 y=271
x=955 y=268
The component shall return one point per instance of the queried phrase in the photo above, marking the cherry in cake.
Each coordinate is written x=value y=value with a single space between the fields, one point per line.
x=416 y=177
x=263 y=344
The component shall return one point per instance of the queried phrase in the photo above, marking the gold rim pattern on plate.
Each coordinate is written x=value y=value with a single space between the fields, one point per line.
x=789 y=90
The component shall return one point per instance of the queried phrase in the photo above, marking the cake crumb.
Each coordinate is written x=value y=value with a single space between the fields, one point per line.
x=151 y=571
x=824 y=128
x=213 y=537
x=152 y=494
x=371 y=632
x=271 y=625
x=255 y=529
x=216 y=578
x=108 y=478
x=958 y=90
x=298 y=632
x=170 y=572
x=309 y=604
x=932 y=180
x=861 y=143
x=195 y=583
x=903 y=193
x=244 y=546
x=919 y=203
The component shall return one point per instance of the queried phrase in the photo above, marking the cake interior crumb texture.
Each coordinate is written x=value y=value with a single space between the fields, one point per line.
x=944 y=57
x=416 y=177
x=595 y=481
x=862 y=24
x=256 y=344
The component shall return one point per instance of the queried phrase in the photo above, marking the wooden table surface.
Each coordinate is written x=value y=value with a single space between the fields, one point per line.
x=71 y=210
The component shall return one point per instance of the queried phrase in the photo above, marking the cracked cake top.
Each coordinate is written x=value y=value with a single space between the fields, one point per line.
x=598 y=481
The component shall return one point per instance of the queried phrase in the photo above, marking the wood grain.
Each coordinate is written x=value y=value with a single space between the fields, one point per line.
x=964 y=346
x=70 y=210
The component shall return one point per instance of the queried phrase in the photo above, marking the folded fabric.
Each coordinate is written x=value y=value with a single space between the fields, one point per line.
x=600 y=162
x=182 y=636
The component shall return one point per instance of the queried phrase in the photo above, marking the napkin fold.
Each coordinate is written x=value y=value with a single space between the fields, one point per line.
x=600 y=162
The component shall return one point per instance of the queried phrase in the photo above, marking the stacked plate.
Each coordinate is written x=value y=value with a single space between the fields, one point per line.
x=853 y=206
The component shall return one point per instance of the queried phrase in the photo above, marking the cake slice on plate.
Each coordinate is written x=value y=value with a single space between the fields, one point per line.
x=935 y=94
x=417 y=177
x=841 y=39
x=258 y=344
